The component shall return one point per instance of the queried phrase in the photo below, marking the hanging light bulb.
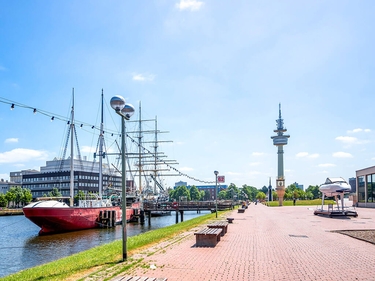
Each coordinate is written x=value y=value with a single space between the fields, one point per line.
x=53 y=118
x=12 y=106
x=34 y=111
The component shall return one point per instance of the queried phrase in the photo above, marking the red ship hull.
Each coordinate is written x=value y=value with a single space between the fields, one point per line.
x=58 y=220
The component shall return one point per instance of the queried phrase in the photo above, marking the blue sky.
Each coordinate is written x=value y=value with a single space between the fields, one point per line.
x=213 y=72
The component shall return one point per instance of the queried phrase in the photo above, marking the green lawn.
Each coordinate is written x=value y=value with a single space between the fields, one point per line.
x=315 y=202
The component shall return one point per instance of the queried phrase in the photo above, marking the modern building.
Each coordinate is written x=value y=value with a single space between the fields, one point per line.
x=5 y=186
x=365 y=183
x=353 y=184
x=180 y=183
x=56 y=174
x=299 y=186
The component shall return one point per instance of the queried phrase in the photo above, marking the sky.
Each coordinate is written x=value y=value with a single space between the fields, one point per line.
x=212 y=73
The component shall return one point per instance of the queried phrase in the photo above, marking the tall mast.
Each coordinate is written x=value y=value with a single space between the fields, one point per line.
x=72 y=154
x=101 y=137
x=140 y=150
x=156 y=153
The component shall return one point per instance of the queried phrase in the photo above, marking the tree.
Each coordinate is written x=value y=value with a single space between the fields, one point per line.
x=16 y=195
x=194 y=193
x=223 y=195
x=10 y=197
x=207 y=195
x=250 y=191
x=315 y=191
x=181 y=191
x=54 y=193
x=202 y=194
x=261 y=196
x=80 y=195
x=26 y=196
x=3 y=200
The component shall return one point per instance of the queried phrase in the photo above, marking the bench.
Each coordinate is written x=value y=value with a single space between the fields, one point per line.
x=241 y=210
x=230 y=220
x=207 y=237
x=220 y=224
x=137 y=278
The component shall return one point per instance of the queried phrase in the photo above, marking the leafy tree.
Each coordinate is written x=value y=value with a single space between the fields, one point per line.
x=315 y=191
x=26 y=196
x=194 y=193
x=80 y=195
x=250 y=191
x=54 y=193
x=10 y=197
x=203 y=194
x=16 y=195
x=181 y=191
x=261 y=195
x=223 y=195
x=3 y=200
x=207 y=195
x=309 y=195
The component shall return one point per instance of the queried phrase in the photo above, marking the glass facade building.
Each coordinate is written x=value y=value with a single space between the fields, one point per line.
x=365 y=180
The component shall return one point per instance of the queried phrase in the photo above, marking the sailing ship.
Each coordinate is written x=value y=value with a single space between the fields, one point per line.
x=53 y=216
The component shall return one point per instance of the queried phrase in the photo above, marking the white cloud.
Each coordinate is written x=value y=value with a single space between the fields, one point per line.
x=257 y=153
x=11 y=140
x=186 y=169
x=307 y=155
x=358 y=130
x=347 y=140
x=255 y=164
x=192 y=5
x=143 y=77
x=22 y=155
x=341 y=154
x=327 y=165
x=233 y=173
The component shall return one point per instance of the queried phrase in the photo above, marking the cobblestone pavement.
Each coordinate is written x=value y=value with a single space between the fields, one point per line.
x=278 y=243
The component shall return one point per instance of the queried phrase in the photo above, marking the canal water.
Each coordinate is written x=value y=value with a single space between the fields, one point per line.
x=21 y=247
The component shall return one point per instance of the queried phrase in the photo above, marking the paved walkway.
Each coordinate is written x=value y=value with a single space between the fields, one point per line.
x=278 y=243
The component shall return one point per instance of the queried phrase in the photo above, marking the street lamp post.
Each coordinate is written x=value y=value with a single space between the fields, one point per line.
x=216 y=173
x=125 y=111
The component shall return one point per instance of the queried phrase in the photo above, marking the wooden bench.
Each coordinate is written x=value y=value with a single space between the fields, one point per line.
x=219 y=224
x=207 y=237
x=241 y=210
x=230 y=220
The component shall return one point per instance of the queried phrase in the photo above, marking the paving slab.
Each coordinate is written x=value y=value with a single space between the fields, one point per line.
x=272 y=243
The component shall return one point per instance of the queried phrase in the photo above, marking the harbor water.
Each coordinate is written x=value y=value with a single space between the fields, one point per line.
x=21 y=247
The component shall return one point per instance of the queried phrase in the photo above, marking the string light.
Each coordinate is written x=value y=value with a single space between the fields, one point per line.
x=139 y=145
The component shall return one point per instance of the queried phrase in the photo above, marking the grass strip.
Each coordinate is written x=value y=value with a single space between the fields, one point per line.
x=315 y=202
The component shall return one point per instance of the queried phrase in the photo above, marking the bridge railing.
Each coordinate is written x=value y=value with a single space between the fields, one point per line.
x=188 y=205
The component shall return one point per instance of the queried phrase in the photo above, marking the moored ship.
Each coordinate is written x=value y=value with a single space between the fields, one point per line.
x=53 y=215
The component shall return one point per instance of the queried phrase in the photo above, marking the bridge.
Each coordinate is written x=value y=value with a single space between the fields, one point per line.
x=179 y=207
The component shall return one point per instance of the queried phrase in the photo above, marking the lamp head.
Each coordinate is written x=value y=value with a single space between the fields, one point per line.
x=216 y=173
x=117 y=103
x=128 y=111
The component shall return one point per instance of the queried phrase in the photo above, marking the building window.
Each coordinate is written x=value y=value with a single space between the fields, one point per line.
x=361 y=189
x=371 y=188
